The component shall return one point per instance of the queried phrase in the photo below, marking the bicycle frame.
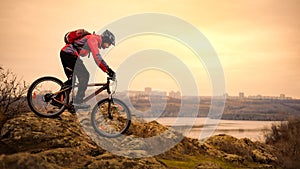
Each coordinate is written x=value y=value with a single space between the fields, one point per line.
x=105 y=86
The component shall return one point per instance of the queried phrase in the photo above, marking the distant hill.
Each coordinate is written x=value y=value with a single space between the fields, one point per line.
x=235 y=109
x=248 y=109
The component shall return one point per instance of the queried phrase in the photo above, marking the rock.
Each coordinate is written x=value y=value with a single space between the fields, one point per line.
x=108 y=160
x=239 y=150
x=29 y=141
x=263 y=157
x=133 y=143
x=26 y=161
x=31 y=133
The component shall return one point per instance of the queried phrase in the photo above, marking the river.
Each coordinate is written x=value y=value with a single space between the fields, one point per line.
x=205 y=127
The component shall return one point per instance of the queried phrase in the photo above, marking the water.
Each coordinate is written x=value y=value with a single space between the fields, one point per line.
x=205 y=127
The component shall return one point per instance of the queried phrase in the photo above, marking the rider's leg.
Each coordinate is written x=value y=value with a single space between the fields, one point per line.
x=68 y=61
x=75 y=67
x=83 y=77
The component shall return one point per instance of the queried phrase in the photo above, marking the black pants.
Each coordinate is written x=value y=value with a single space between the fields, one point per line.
x=74 y=67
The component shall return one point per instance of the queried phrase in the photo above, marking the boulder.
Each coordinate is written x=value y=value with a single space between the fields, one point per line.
x=29 y=141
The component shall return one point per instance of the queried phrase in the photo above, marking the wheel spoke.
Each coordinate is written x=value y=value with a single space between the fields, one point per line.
x=40 y=97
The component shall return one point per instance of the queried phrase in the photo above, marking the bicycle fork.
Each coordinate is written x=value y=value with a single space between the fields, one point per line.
x=110 y=102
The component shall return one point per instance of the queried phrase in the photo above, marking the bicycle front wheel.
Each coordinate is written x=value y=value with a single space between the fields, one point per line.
x=111 y=118
x=41 y=94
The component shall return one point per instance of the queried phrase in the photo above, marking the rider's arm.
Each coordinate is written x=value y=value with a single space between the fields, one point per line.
x=93 y=45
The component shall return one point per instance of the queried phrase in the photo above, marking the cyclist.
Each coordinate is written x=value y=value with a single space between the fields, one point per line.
x=70 y=56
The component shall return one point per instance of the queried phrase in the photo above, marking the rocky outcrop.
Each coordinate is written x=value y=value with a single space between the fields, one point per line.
x=33 y=142
x=29 y=133
x=240 y=151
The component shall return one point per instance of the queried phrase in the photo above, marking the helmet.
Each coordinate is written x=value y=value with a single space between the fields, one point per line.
x=108 y=37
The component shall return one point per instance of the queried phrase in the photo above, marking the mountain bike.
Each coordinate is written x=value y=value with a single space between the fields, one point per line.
x=48 y=97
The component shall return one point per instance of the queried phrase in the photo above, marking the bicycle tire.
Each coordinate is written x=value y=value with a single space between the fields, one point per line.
x=35 y=97
x=122 y=115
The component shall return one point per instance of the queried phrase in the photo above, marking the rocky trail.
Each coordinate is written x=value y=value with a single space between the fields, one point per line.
x=29 y=141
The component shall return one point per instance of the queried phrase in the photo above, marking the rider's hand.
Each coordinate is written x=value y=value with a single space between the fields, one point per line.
x=111 y=73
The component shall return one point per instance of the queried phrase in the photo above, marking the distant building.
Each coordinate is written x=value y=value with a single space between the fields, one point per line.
x=241 y=95
x=158 y=93
x=148 y=90
x=176 y=95
x=257 y=97
x=280 y=97
x=135 y=93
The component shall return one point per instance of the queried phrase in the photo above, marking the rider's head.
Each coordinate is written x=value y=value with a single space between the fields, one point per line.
x=108 y=39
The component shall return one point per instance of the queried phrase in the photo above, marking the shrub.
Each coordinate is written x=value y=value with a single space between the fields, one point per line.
x=12 y=95
x=286 y=138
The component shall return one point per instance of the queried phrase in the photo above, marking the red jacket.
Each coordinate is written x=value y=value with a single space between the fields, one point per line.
x=82 y=47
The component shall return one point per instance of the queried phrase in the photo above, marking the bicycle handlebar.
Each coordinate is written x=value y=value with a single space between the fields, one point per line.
x=111 y=78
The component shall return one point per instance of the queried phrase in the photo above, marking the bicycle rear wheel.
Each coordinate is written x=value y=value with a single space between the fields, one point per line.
x=41 y=94
x=115 y=125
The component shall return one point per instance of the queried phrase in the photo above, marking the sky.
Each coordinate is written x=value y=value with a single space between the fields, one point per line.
x=257 y=41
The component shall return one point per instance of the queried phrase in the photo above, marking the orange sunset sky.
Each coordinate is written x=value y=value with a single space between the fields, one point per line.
x=257 y=41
